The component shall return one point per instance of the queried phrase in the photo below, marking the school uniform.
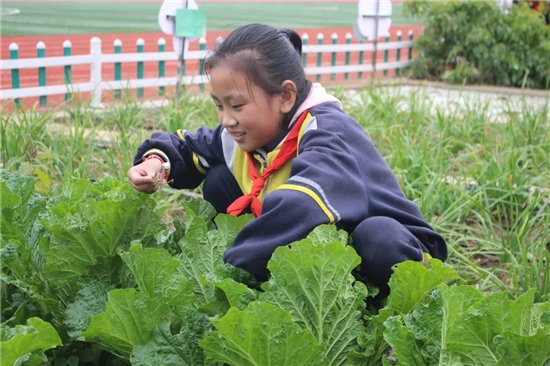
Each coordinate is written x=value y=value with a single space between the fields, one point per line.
x=336 y=176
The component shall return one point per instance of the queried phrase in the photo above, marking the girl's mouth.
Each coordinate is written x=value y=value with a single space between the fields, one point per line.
x=238 y=136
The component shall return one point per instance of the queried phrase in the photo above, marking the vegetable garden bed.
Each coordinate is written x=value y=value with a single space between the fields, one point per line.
x=94 y=273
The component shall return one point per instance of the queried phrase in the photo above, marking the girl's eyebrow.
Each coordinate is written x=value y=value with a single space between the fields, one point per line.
x=228 y=97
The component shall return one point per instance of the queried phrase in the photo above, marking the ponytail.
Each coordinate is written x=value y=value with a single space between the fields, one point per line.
x=294 y=39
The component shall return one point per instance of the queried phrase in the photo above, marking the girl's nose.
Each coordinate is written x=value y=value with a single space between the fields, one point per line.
x=228 y=120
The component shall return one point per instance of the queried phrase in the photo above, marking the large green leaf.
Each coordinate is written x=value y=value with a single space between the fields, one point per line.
x=168 y=349
x=313 y=282
x=89 y=301
x=417 y=337
x=238 y=295
x=131 y=315
x=127 y=321
x=202 y=250
x=158 y=276
x=474 y=331
x=20 y=206
x=262 y=334
x=516 y=349
x=37 y=335
x=458 y=325
x=91 y=222
x=403 y=344
x=412 y=281
x=229 y=226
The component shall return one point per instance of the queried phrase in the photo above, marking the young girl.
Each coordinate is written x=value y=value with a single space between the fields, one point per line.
x=285 y=151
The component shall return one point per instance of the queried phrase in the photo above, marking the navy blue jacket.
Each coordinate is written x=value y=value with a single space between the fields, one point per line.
x=337 y=177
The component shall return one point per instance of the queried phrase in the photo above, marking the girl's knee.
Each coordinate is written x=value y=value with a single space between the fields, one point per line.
x=385 y=236
x=382 y=242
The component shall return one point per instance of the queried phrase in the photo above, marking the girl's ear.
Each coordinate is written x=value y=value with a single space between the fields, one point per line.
x=288 y=97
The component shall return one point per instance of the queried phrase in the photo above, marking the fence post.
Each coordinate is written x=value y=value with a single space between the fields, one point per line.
x=410 y=47
x=348 y=41
x=14 y=55
x=360 y=61
x=333 y=56
x=319 y=54
x=305 y=41
x=117 y=45
x=386 y=55
x=67 y=69
x=95 y=71
x=398 y=53
x=41 y=53
x=161 y=47
x=202 y=47
x=139 y=48
x=182 y=71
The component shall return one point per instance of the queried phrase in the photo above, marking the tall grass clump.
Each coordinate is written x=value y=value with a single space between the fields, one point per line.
x=21 y=136
x=187 y=113
x=480 y=178
x=23 y=143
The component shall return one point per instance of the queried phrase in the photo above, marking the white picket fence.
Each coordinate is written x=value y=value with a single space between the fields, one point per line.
x=97 y=85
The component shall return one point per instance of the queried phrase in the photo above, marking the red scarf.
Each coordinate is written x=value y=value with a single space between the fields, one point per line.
x=288 y=150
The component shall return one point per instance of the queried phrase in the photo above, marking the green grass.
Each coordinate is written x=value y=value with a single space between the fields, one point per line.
x=84 y=18
x=482 y=183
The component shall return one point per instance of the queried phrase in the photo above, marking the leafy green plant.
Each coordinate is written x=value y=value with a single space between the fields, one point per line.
x=128 y=290
x=457 y=324
x=153 y=288
x=57 y=250
x=270 y=337
x=27 y=343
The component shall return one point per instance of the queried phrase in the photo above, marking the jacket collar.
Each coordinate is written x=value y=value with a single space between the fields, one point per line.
x=316 y=96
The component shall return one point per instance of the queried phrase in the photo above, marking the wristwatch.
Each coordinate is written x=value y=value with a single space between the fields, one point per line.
x=166 y=167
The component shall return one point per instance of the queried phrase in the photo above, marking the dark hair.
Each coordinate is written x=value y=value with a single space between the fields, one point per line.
x=267 y=56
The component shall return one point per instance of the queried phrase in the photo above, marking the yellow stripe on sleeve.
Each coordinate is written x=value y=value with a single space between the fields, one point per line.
x=313 y=195
x=197 y=164
x=195 y=157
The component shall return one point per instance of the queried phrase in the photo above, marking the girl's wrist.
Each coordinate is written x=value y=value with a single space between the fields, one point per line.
x=165 y=166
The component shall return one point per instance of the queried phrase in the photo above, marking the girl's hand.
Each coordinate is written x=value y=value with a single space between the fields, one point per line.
x=145 y=177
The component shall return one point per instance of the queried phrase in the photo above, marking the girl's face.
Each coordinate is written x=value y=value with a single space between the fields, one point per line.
x=248 y=113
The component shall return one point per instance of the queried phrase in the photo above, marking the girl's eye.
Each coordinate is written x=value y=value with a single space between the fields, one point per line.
x=219 y=107
x=237 y=106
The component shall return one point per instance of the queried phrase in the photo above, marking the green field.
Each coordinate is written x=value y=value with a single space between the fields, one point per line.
x=85 y=18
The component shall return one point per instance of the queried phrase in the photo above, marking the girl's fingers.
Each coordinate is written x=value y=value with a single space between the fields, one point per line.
x=144 y=186
x=141 y=176
x=140 y=180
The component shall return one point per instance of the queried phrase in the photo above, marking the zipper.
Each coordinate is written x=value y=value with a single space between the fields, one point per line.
x=263 y=161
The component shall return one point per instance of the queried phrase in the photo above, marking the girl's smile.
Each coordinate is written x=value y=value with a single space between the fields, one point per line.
x=237 y=136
